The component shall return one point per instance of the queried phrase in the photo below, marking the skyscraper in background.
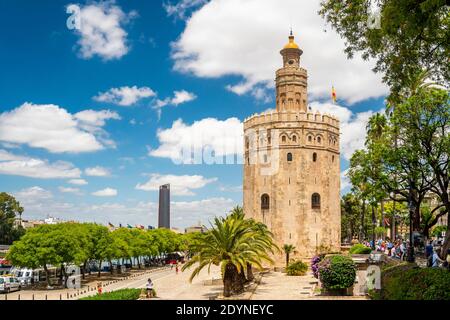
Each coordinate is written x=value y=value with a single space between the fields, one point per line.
x=164 y=207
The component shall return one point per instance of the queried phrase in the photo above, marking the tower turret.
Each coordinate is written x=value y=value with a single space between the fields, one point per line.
x=291 y=80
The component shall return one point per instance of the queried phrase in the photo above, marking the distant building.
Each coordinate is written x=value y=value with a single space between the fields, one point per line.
x=198 y=228
x=28 y=224
x=177 y=230
x=164 y=207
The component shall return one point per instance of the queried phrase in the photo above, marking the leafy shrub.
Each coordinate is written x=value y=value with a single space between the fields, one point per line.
x=315 y=264
x=360 y=249
x=337 y=272
x=414 y=283
x=124 y=294
x=297 y=268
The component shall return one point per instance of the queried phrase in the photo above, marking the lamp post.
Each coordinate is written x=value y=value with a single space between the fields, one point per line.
x=412 y=207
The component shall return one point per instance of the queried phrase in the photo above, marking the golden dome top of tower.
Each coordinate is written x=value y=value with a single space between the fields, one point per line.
x=291 y=44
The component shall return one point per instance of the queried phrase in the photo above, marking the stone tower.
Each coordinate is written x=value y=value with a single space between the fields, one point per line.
x=291 y=168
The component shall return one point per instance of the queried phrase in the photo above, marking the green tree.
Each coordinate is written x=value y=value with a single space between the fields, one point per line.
x=10 y=209
x=413 y=36
x=425 y=119
x=288 y=249
x=232 y=243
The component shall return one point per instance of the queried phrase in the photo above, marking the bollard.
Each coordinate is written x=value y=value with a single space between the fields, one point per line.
x=45 y=297
x=60 y=296
x=6 y=297
x=18 y=298
x=32 y=298
x=67 y=295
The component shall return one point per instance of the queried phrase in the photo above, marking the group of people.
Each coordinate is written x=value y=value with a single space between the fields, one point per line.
x=398 y=250
x=432 y=254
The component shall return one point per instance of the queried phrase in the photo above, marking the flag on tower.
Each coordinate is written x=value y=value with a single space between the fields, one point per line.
x=333 y=94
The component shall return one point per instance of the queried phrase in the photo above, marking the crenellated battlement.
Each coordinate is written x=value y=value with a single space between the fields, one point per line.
x=291 y=116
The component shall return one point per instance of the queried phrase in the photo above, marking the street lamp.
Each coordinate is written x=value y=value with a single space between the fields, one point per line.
x=412 y=209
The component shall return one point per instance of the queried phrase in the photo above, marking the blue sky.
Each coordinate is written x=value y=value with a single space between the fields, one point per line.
x=89 y=116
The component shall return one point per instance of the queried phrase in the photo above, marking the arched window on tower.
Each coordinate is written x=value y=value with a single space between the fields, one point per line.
x=319 y=140
x=309 y=138
x=265 y=202
x=315 y=201
x=283 y=139
x=314 y=157
x=289 y=157
x=294 y=138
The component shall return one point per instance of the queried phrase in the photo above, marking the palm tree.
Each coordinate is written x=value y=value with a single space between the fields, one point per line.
x=234 y=243
x=288 y=249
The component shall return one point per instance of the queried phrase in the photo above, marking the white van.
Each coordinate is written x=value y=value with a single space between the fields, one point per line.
x=25 y=276
x=8 y=284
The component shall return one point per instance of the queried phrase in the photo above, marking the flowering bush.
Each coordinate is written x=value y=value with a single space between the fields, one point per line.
x=337 y=272
x=315 y=265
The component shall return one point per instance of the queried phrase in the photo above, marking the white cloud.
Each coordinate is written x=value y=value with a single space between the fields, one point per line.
x=353 y=126
x=243 y=38
x=108 y=192
x=97 y=172
x=34 y=194
x=101 y=30
x=125 y=96
x=231 y=188
x=184 y=214
x=11 y=164
x=178 y=98
x=221 y=137
x=69 y=190
x=345 y=182
x=95 y=119
x=179 y=10
x=53 y=128
x=78 y=182
x=179 y=185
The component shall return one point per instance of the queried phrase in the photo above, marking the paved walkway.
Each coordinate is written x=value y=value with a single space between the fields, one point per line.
x=168 y=285
x=279 y=286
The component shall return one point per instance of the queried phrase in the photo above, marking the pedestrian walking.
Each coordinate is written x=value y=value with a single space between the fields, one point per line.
x=436 y=260
x=99 y=288
x=149 y=287
x=176 y=268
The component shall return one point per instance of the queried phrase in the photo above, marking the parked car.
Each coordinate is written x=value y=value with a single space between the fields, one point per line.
x=8 y=284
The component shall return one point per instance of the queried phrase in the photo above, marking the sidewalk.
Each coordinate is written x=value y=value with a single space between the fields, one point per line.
x=279 y=286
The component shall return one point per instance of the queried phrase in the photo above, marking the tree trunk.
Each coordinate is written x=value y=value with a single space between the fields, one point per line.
x=139 y=262
x=382 y=214
x=361 y=227
x=47 y=273
x=66 y=276
x=61 y=274
x=250 y=276
x=238 y=282
x=446 y=244
x=99 y=268
x=228 y=277
x=84 y=270
x=374 y=222
x=287 y=259
x=111 y=267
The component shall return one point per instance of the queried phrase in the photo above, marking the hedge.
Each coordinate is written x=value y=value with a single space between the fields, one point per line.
x=297 y=268
x=360 y=249
x=123 y=294
x=405 y=282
